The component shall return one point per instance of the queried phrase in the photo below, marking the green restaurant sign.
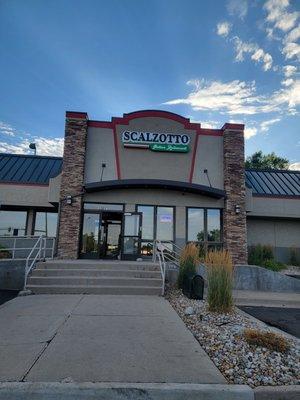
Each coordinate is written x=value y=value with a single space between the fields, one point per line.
x=169 y=142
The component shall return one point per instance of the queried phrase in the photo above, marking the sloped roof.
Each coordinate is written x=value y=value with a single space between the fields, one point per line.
x=273 y=182
x=21 y=168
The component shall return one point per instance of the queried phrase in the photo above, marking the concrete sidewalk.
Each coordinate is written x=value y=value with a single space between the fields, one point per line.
x=266 y=299
x=95 y=338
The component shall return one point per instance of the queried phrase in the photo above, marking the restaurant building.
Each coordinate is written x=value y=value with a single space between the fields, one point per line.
x=148 y=175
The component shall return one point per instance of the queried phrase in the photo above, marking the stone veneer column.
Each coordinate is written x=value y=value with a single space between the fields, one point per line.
x=234 y=224
x=72 y=184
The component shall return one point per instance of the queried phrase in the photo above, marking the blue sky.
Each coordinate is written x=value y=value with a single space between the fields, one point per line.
x=212 y=61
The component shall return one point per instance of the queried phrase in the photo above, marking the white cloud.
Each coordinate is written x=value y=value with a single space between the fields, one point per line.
x=238 y=8
x=223 y=28
x=293 y=35
x=6 y=129
x=257 y=54
x=291 y=50
x=210 y=124
x=250 y=132
x=265 y=125
x=45 y=146
x=295 y=166
x=287 y=82
x=239 y=97
x=289 y=70
x=279 y=16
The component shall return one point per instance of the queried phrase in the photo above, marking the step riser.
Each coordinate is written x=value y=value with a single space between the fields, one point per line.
x=96 y=273
x=146 y=267
x=92 y=281
x=148 y=291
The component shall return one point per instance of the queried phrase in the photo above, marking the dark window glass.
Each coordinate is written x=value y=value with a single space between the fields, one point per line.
x=147 y=221
x=213 y=225
x=195 y=224
x=90 y=234
x=45 y=224
x=164 y=221
x=13 y=223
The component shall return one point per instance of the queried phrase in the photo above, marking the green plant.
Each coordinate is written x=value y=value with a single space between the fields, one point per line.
x=273 y=265
x=189 y=259
x=220 y=280
x=294 y=260
x=4 y=253
x=269 y=340
x=263 y=256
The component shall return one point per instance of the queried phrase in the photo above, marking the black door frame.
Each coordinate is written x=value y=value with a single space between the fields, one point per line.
x=139 y=236
x=101 y=256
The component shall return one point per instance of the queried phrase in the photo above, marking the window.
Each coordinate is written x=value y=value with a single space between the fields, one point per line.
x=195 y=225
x=148 y=221
x=204 y=225
x=90 y=234
x=13 y=223
x=157 y=223
x=45 y=224
x=164 y=223
x=213 y=225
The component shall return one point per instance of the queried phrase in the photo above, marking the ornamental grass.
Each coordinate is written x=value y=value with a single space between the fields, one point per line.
x=220 y=280
x=189 y=260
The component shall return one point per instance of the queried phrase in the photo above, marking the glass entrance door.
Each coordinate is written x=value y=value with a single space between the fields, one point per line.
x=131 y=237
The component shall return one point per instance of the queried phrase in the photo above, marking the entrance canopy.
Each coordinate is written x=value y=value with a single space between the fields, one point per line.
x=155 y=184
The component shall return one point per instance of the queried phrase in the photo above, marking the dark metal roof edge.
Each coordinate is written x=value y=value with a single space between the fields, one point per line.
x=293 y=171
x=155 y=183
x=30 y=156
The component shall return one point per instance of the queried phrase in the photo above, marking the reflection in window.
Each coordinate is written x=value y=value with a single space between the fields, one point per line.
x=213 y=225
x=195 y=224
x=45 y=224
x=13 y=223
x=164 y=221
x=147 y=221
x=90 y=233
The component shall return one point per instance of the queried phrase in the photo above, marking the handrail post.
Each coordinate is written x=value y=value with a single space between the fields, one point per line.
x=14 y=248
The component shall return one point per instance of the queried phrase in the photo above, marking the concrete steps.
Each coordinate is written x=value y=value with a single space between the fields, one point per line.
x=96 y=277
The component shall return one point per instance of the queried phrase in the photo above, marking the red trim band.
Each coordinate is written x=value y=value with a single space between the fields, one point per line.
x=76 y=114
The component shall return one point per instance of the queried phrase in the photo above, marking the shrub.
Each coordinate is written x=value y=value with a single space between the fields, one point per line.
x=219 y=276
x=269 y=340
x=262 y=255
x=294 y=260
x=189 y=259
x=4 y=253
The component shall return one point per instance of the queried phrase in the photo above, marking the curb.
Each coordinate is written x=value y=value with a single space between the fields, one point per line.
x=123 y=391
x=291 y=392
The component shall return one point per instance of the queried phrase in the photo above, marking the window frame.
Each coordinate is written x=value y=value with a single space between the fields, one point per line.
x=206 y=242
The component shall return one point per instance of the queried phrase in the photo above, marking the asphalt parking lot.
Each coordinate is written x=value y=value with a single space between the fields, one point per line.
x=286 y=319
x=6 y=295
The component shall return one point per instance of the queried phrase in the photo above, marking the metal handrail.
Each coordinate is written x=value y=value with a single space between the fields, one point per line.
x=15 y=249
x=40 y=248
x=163 y=255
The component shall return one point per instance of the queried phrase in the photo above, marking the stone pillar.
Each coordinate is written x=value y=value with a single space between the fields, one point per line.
x=72 y=185
x=234 y=217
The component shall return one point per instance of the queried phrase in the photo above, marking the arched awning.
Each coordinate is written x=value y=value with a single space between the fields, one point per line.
x=155 y=184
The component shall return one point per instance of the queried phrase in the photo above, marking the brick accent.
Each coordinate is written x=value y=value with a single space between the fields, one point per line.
x=234 y=225
x=72 y=184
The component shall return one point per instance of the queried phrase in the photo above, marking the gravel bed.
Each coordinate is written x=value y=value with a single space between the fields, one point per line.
x=221 y=336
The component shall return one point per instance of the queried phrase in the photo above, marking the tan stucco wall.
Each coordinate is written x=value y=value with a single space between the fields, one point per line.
x=277 y=233
x=138 y=163
x=209 y=156
x=54 y=189
x=275 y=207
x=153 y=196
x=100 y=149
x=24 y=195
